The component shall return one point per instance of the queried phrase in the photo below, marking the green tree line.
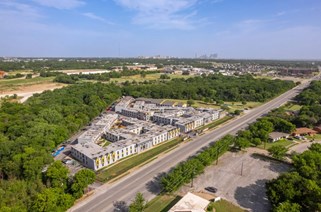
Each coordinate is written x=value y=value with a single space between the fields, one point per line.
x=213 y=87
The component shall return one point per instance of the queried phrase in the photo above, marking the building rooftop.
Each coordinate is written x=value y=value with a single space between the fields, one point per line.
x=275 y=135
x=190 y=203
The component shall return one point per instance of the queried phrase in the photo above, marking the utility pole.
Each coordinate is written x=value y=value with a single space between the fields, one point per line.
x=264 y=144
x=242 y=169
x=192 y=183
x=217 y=153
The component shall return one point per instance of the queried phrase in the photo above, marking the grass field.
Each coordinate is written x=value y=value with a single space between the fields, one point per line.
x=12 y=84
x=139 y=78
x=134 y=161
x=315 y=137
x=162 y=203
x=239 y=106
x=293 y=107
x=283 y=142
x=232 y=105
x=225 y=206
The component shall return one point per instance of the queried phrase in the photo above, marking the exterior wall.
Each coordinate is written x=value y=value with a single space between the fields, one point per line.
x=111 y=137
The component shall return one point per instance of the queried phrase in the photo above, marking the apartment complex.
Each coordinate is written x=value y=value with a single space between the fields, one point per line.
x=136 y=125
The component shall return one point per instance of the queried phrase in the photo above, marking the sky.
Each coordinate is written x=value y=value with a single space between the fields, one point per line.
x=240 y=29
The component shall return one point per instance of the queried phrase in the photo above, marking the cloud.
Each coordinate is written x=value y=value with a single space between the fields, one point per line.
x=164 y=14
x=97 y=18
x=61 y=4
x=12 y=9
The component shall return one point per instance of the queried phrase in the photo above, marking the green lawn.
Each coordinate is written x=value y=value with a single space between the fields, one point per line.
x=134 y=161
x=316 y=137
x=139 y=78
x=225 y=206
x=283 y=142
x=292 y=106
x=239 y=106
x=162 y=203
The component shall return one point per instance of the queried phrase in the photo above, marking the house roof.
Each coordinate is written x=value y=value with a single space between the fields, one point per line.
x=275 y=135
x=318 y=128
x=191 y=203
x=304 y=130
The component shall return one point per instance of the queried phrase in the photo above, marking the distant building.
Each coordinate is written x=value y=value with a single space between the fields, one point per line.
x=2 y=74
x=297 y=72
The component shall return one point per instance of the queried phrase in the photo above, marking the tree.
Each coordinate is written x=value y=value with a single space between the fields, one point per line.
x=278 y=151
x=287 y=207
x=190 y=102
x=81 y=180
x=28 y=76
x=256 y=141
x=52 y=199
x=241 y=143
x=138 y=204
x=237 y=112
x=57 y=175
x=143 y=74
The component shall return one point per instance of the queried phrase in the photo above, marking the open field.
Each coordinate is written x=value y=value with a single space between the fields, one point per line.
x=162 y=203
x=134 y=161
x=25 y=85
x=282 y=142
x=232 y=105
x=240 y=177
x=139 y=78
x=293 y=107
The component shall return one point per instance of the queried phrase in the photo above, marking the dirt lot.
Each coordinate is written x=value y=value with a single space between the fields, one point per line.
x=244 y=188
x=32 y=88
x=27 y=91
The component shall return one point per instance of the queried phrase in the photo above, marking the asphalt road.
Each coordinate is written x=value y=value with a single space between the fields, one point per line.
x=138 y=181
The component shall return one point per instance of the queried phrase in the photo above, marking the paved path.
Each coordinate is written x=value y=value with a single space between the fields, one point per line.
x=141 y=179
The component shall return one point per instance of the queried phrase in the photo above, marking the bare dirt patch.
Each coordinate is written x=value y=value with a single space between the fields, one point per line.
x=32 y=88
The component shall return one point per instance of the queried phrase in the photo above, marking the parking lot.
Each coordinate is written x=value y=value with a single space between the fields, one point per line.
x=244 y=187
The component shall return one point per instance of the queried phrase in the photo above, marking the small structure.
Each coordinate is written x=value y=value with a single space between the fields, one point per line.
x=191 y=203
x=318 y=129
x=304 y=131
x=276 y=136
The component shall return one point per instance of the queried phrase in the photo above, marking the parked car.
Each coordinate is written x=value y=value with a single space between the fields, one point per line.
x=211 y=189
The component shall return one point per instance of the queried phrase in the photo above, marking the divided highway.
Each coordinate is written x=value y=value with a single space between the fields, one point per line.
x=126 y=188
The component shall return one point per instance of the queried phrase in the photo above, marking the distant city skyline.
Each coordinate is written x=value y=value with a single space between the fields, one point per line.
x=246 y=29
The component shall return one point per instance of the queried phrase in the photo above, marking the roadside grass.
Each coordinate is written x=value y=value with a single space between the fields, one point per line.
x=12 y=84
x=162 y=203
x=239 y=106
x=282 y=142
x=224 y=206
x=292 y=106
x=216 y=123
x=134 y=161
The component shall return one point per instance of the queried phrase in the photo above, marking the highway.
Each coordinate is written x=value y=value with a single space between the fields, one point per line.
x=126 y=188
